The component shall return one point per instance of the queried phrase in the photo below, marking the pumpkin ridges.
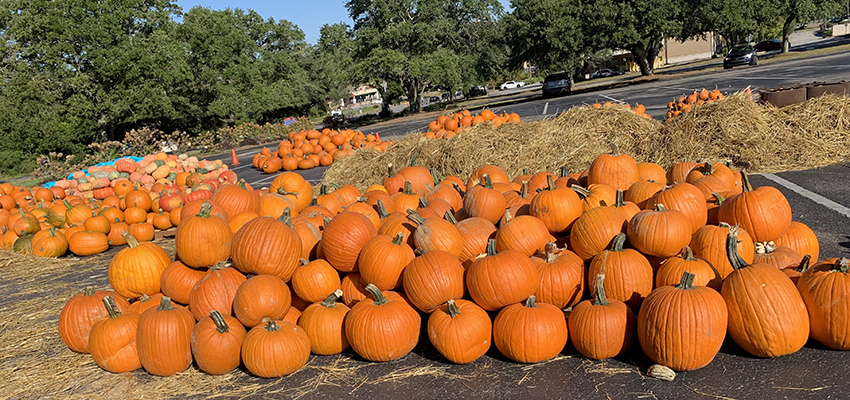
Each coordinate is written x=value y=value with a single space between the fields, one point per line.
x=530 y=332
x=824 y=290
x=163 y=339
x=323 y=323
x=432 y=279
x=137 y=269
x=460 y=330
x=384 y=329
x=600 y=328
x=80 y=313
x=112 y=341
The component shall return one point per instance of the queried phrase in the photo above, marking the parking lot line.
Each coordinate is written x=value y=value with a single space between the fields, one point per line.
x=810 y=195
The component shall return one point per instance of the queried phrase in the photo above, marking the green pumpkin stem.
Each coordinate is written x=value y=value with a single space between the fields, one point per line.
x=66 y=203
x=286 y=217
x=381 y=209
x=745 y=180
x=688 y=254
x=23 y=214
x=619 y=242
x=304 y=261
x=271 y=326
x=376 y=294
x=436 y=176
x=491 y=247
x=550 y=181
x=206 y=208
x=488 y=183
x=131 y=241
x=450 y=216
x=220 y=325
x=88 y=291
x=804 y=263
x=621 y=199
x=615 y=151
x=165 y=304
x=454 y=310
x=422 y=202
x=398 y=239
x=283 y=192
x=458 y=189
x=109 y=303
x=414 y=217
x=52 y=232
x=408 y=188
x=599 y=298
x=582 y=192
x=330 y=301
x=565 y=171
x=530 y=302
x=326 y=221
x=687 y=281
x=718 y=198
x=732 y=249
x=323 y=190
x=219 y=265
x=659 y=207
x=708 y=168
x=413 y=158
x=842 y=265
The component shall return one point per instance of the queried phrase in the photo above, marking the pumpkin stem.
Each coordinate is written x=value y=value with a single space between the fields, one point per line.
x=565 y=171
x=408 y=187
x=436 y=176
x=165 y=304
x=206 y=207
x=109 y=302
x=582 y=192
x=88 y=291
x=219 y=265
x=530 y=302
x=621 y=198
x=413 y=158
x=66 y=203
x=454 y=310
x=523 y=191
x=271 y=326
x=732 y=249
x=381 y=209
x=550 y=181
x=220 y=325
x=330 y=301
x=52 y=232
x=491 y=247
x=842 y=265
x=525 y=171
x=450 y=216
x=323 y=190
x=718 y=198
x=304 y=261
x=422 y=202
x=487 y=182
x=286 y=217
x=688 y=254
x=687 y=281
x=398 y=239
x=599 y=299
x=23 y=215
x=282 y=191
x=131 y=241
x=745 y=179
x=618 y=242
x=326 y=221
x=414 y=217
x=508 y=216
x=708 y=168
x=376 y=294
x=549 y=251
x=143 y=298
x=458 y=189
x=804 y=263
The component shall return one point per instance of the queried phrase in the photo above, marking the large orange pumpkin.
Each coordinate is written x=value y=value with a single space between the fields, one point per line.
x=530 y=332
x=383 y=329
x=137 y=269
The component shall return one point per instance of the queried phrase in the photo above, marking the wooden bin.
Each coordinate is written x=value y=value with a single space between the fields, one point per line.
x=785 y=97
x=819 y=89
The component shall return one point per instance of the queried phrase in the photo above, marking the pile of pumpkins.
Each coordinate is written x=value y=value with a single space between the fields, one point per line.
x=446 y=126
x=312 y=148
x=674 y=259
x=639 y=109
x=52 y=222
x=684 y=104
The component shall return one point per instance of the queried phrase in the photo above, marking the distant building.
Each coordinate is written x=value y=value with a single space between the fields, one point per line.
x=363 y=94
x=672 y=52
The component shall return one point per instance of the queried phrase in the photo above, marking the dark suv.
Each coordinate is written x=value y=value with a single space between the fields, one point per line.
x=556 y=84
x=741 y=55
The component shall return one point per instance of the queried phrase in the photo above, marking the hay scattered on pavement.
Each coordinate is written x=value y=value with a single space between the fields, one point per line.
x=760 y=138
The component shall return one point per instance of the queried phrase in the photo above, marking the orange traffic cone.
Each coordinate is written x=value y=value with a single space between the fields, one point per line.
x=234 y=160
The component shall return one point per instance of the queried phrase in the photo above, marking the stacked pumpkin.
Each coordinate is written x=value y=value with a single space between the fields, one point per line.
x=684 y=104
x=677 y=266
x=309 y=149
x=51 y=222
x=639 y=109
x=446 y=126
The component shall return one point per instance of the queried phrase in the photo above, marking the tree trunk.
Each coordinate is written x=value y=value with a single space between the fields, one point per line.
x=413 y=100
x=385 y=104
x=641 y=58
x=787 y=30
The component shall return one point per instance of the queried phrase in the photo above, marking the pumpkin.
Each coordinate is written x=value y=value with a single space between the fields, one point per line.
x=601 y=328
x=203 y=240
x=500 y=279
x=686 y=198
x=483 y=201
x=524 y=233
x=323 y=323
x=294 y=187
x=138 y=198
x=49 y=243
x=432 y=279
x=594 y=229
x=659 y=232
x=85 y=243
x=137 y=269
x=215 y=291
x=682 y=326
x=435 y=233
x=796 y=271
x=460 y=330
x=641 y=191
x=561 y=277
x=778 y=256
x=767 y=316
x=177 y=281
x=112 y=340
x=217 y=343
x=80 y=313
x=626 y=208
x=237 y=198
x=824 y=289
x=143 y=232
x=558 y=208
x=353 y=289
x=530 y=332
x=709 y=243
x=193 y=207
x=596 y=195
x=628 y=274
x=476 y=233
x=163 y=339
x=267 y=246
x=274 y=350
x=344 y=237
x=616 y=170
x=144 y=302
x=799 y=238
x=671 y=270
x=764 y=212
x=315 y=279
x=261 y=298
x=383 y=260
x=652 y=172
x=384 y=329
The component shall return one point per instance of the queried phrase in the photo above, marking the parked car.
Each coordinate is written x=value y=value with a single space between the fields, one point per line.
x=478 y=91
x=556 y=84
x=602 y=73
x=769 y=45
x=741 y=55
x=511 y=85
x=434 y=99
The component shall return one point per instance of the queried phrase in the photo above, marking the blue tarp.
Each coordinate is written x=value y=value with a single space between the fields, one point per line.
x=103 y=164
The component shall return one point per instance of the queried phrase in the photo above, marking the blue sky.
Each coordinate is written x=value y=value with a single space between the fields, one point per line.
x=309 y=15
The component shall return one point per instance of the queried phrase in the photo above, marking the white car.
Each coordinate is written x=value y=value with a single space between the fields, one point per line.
x=511 y=85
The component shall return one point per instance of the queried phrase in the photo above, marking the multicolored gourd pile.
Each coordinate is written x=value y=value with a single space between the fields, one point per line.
x=86 y=215
x=684 y=104
x=673 y=258
x=309 y=149
x=446 y=126
x=639 y=109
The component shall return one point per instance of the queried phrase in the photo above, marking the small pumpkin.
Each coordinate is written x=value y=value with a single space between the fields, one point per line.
x=530 y=332
x=217 y=343
x=163 y=339
x=432 y=279
x=260 y=298
x=824 y=288
x=601 y=328
x=460 y=330
x=112 y=340
x=323 y=323
x=628 y=274
x=275 y=349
